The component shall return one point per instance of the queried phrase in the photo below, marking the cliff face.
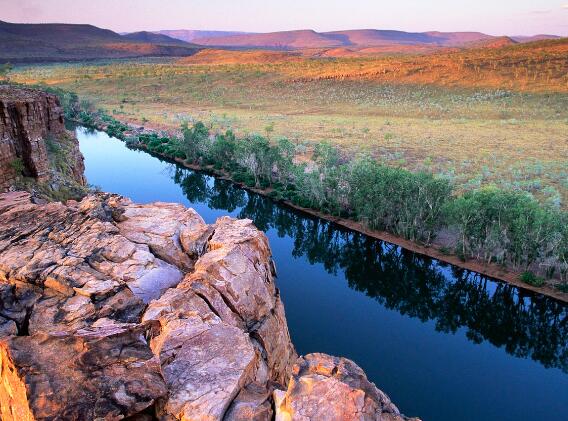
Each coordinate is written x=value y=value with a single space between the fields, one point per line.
x=30 y=122
x=110 y=309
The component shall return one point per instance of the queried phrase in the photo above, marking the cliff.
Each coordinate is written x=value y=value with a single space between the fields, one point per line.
x=33 y=140
x=111 y=309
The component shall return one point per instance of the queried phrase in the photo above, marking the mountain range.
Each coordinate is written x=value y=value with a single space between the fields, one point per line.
x=64 y=42
x=357 y=38
x=190 y=35
x=69 y=42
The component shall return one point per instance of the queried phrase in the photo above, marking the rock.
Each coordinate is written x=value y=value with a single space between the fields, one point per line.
x=28 y=118
x=205 y=364
x=7 y=327
x=161 y=226
x=223 y=330
x=104 y=372
x=323 y=387
x=110 y=309
x=251 y=404
x=235 y=278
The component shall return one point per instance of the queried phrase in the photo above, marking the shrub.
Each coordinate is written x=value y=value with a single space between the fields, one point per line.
x=194 y=140
x=86 y=119
x=563 y=287
x=18 y=165
x=507 y=227
x=132 y=141
x=397 y=200
x=531 y=279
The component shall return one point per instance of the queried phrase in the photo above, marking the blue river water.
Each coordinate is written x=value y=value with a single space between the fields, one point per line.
x=444 y=343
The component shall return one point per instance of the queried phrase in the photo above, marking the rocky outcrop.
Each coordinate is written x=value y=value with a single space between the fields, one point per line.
x=323 y=387
x=29 y=119
x=110 y=309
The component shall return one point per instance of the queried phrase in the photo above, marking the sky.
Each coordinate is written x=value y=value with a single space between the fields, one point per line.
x=495 y=17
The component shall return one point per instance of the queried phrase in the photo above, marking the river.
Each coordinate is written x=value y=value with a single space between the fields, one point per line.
x=444 y=343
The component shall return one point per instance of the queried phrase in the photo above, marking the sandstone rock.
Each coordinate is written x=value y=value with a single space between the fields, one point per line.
x=251 y=404
x=331 y=388
x=223 y=331
x=235 y=277
x=161 y=226
x=107 y=372
x=77 y=276
x=28 y=118
x=110 y=309
x=72 y=286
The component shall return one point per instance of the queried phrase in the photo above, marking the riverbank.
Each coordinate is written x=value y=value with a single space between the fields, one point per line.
x=125 y=131
x=434 y=250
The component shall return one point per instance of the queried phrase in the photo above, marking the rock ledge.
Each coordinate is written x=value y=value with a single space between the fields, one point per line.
x=110 y=309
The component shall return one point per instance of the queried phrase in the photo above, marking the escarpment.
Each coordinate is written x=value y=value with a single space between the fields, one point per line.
x=111 y=309
x=33 y=140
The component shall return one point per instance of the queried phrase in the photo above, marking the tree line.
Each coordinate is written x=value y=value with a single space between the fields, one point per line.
x=506 y=227
x=510 y=228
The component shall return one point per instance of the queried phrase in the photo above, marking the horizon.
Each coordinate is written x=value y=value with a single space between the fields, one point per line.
x=550 y=17
x=237 y=32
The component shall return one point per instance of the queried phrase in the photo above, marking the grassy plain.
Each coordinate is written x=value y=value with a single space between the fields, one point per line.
x=479 y=117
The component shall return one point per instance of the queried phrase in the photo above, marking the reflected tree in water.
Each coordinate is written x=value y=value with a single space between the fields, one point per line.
x=525 y=325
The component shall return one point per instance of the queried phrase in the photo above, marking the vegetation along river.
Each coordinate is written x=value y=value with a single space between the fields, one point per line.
x=443 y=342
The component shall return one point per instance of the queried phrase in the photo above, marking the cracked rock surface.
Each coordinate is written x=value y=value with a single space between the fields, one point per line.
x=325 y=387
x=110 y=309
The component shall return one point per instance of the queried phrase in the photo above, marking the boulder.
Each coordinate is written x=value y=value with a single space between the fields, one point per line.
x=223 y=330
x=323 y=387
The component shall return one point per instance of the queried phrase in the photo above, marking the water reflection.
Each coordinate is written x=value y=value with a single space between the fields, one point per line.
x=524 y=324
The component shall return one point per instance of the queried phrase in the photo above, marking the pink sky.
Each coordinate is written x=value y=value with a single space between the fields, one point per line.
x=497 y=17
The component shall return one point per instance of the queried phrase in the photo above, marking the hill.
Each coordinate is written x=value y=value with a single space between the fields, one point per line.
x=375 y=37
x=70 y=42
x=151 y=37
x=351 y=38
x=189 y=35
x=538 y=66
x=495 y=42
x=218 y=57
x=305 y=38
x=540 y=37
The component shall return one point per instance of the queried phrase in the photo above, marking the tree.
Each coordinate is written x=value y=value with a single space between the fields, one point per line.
x=253 y=154
x=284 y=153
x=509 y=227
x=194 y=140
x=222 y=150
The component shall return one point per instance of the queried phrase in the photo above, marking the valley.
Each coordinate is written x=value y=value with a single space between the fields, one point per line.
x=232 y=212
x=464 y=115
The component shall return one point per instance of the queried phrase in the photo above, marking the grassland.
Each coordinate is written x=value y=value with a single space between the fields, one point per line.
x=478 y=117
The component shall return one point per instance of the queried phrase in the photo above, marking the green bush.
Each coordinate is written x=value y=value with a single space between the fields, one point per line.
x=563 y=287
x=531 y=279
x=86 y=119
x=392 y=199
x=18 y=165
x=508 y=227
x=194 y=141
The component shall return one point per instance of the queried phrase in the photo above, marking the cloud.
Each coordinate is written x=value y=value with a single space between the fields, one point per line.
x=565 y=6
